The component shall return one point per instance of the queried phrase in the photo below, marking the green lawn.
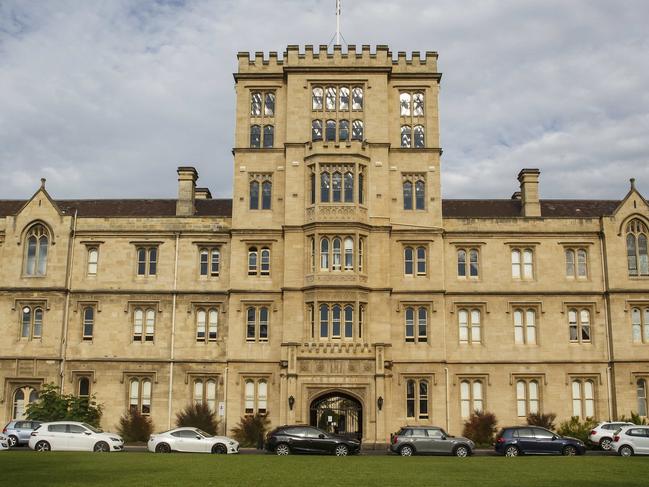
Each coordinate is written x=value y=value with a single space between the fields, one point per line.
x=144 y=469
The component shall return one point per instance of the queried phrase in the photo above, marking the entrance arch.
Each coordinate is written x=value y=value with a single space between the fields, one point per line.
x=339 y=413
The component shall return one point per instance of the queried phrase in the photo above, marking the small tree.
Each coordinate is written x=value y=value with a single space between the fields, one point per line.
x=251 y=429
x=542 y=420
x=135 y=427
x=635 y=419
x=576 y=428
x=480 y=428
x=198 y=416
x=54 y=406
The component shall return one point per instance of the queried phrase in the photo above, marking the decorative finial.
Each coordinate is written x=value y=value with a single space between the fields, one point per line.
x=43 y=183
x=632 y=180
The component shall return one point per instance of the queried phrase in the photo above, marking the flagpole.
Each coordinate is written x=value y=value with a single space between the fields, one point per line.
x=338 y=2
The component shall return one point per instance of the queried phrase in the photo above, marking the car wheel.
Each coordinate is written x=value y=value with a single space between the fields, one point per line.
x=42 y=446
x=282 y=449
x=511 y=451
x=461 y=451
x=101 y=447
x=13 y=441
x=406 y=451
x=569 y=451
x=220 y=448
x=162 y=448
x=626 y=451
x=605 y=444
x=341 y=451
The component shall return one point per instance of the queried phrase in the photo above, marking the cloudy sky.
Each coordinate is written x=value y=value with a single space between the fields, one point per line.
x=107 y=98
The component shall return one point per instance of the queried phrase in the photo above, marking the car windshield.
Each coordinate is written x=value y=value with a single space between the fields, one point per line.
x=91 y=428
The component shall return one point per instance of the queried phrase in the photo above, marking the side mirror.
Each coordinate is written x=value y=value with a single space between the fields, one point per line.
x=321 y=436
x=87 y=433
x=555 y=437
x=199 y=437
x=443 y=437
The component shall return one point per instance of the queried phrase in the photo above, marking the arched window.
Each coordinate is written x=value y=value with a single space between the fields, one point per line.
x=254 y=195
x=330 y=99
x=343 y=130
x=140 y=395
x=361 y=244
x=406 y=136
x=419 y=136
x=252 y=261
x=407 y=195
x=357 y=130
x=422 y=325
x=255 y=136
x=421 y=261
x=255 y=104
x=525 y=326
x=418 y=104
x=642 y=397
x=269 y=105
x=316 y=98
x=312 y=253
x=349 y=187
x=330 y=131
x=93 y=258
x=527 y=397
x=88 y=322
x=316 y=130
x=313 y=190
x=265 y=262
x=83 y=387
x=349 y=254
x=22 y=397
x=420 y=195
x=201 y=323
x=361 y=320
x=215 y=262
x=473 y=262
x=640 y=324
x=251 y=324
x=417 y=406
x=335 y=321
x=336 y=187
x=469 y=323
x=325 y=185
x=262 y=397
x=349 y=321
x=410 y=324
x=579 y=325
x=360 y=188
x=344 y=98
x=461 y=263
x=423 y=399
x=249 y=397
x=516 y=264
x=269 y=136
x=570 y=263
x=149 y=330
x=37 y=239
x=636 y=246
x=138 y=322
x=582 y=263
x=324 y=254
x=357 y=98
x=198 y=392
x=471 y=398
x=410 y=398
x=416 y=324
x=583 y=398
x=213 y=324
x=263 y=324
x=324 y=321
x=528 y=264
x=31 y=322
x=404 y=104
x=336 y=264
x=266 y=193
x=408 y=261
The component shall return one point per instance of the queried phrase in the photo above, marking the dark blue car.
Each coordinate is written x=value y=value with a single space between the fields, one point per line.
x=519 y=440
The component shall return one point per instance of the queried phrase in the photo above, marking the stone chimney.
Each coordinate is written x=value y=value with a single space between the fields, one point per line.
x=530 y=203
x=203 y=194
x=187 y=177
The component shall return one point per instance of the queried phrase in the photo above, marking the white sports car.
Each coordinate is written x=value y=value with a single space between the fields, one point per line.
x=191 y=440
x=4 y=442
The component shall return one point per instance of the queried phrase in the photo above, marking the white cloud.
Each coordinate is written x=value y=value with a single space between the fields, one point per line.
x=106 y=99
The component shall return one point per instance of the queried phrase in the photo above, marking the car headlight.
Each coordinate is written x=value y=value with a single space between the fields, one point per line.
x=116 y=439
x=232 y=443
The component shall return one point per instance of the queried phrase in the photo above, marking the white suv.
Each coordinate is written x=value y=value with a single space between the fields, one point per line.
x=73 y=436
x=631 y=440
x=602 y=434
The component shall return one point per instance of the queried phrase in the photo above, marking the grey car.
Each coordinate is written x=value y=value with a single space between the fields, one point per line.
x=18 y=432
x=412 y=440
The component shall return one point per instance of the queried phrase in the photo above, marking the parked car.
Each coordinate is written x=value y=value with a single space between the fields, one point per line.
x=18 y=432
x=631 y=440
x=602 y=434
x=191 y=440
x=518 y=440
x=73 y=436
x=412 y=440
x=4 y=443
x=308 y=439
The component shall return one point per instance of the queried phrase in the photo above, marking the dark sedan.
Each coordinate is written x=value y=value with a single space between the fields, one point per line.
x=518 y=440
x=307 y=439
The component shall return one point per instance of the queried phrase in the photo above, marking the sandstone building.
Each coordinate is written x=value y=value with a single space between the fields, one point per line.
x=337 y=287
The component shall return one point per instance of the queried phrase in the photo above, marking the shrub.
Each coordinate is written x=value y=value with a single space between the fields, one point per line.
x=135 y=427
x=480 y=428
x=54 y=406
x=198 y=416
x=251 y=430
x=542 y=420
x=576 y=428
x=635 y=419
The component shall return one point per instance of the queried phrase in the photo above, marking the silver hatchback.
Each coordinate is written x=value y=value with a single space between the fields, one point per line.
x=18 y=432
x=412 y=440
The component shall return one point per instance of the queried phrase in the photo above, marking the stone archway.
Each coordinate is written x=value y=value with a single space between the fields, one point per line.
x=338 y=413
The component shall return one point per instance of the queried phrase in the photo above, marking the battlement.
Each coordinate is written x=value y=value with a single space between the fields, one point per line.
x=335 y=58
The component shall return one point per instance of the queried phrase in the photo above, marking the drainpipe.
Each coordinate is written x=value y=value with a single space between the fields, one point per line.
x=66 y=309
x=225 y=401
x=447 y=399
x=173 y=330
x=607 y=308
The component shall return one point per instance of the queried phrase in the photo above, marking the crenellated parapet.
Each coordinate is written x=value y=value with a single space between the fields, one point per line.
x=335 y=58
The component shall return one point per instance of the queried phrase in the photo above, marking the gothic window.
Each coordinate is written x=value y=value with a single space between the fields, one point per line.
x=140 y=395
x=640 y=324
x=357 y=98
x=266 y=192
x=88 y=322
x=269 y=105
x=207 y=322
x=420 y=195
x=407 y=195
x=414 y=192
x=344 y=98
x=209 y=262
x=349 y=254
x=418 y=131
x=469 y=322
x=336 y=186
x=147 y=261
x=316 y=98
x=416 y=324
x=23 y=397
x=37 y=240
x=336 y=321
x=522 y=269
x=83 y=387
x=361 y=245
x=335 y=244
x=471 y=397
x=417 y=398
x=576 y=263
x=143 y=324
x=357 y=130
x=255 y=104
x=421 y=261
x=343 y=128
x=527 y=397
x=636 y=247
x=461 y=263
x=408 y=261
x=525 y=326
x=418 y=104
x=325 y=184
x=405 y=104
x=349 y=187
x=583 y=398
x=205 y=393
x=406 y=136
x=93 y=258
x=257 y=324
x=330 y=98
x=31 y=322
x=316 y=130
x=265 y=262
x=258 y=261
x=312 y=253
x=360 y=188
x=255 y=396
x=255 y=136
x=579 y=325
x=324 y=254
x=472 y=269
x=313 y=188
x=269 y=136
x=330 y=131
x=641 y=394
x=253 y=256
